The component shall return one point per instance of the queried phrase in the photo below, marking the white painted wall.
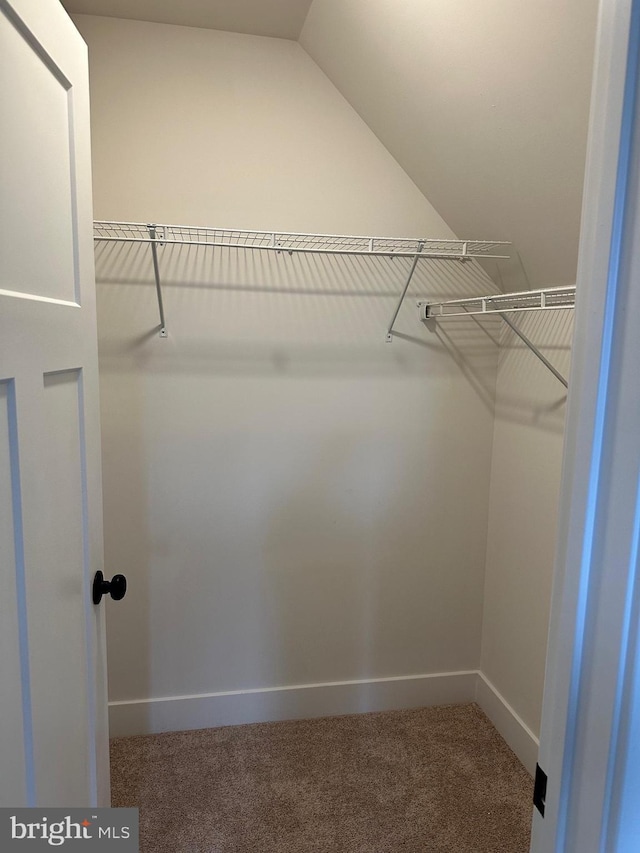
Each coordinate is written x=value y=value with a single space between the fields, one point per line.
x=192 y=125
x=525 y=484
x=293 y=500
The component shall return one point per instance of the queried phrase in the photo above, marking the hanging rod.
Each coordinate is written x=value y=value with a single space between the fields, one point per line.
x=287 y=241
x=546 y=299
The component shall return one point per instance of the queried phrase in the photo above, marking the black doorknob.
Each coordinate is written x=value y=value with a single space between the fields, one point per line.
x=116 y=587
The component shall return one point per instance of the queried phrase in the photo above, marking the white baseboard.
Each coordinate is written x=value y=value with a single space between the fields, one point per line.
x=303 y=701
x=514 y=730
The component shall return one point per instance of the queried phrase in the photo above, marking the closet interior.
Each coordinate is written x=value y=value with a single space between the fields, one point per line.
x=331 y=463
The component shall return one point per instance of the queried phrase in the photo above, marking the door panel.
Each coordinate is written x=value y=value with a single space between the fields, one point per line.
x=40 y=100
x=53 y=725
x=54 y=526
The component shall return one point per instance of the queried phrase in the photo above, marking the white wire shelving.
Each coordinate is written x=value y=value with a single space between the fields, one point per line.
x=413 y=248
x=416 y=249
x=501 y=304
x=287 y=241
x=546 y=299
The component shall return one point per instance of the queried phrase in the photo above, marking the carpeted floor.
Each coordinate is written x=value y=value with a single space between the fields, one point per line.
x=435 y=780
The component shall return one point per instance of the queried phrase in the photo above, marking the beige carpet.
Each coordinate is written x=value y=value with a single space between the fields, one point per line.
x=438 y=780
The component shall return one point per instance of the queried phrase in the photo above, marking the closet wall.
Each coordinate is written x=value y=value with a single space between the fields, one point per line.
x=525 y=485
x=486 y=107
x=301 y=509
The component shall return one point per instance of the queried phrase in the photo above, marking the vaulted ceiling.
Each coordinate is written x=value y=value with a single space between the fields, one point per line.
x=484 y=104
x=278 y=18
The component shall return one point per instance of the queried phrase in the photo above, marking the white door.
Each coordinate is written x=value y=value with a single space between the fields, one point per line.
x=53 y=724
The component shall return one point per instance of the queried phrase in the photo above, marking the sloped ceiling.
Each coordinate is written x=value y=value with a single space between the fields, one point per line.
x=484 y=104
x=279 y=18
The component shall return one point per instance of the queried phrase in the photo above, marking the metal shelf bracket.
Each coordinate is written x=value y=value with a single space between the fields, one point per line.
x=412 y=269
x=534 y=349
x=153 y=239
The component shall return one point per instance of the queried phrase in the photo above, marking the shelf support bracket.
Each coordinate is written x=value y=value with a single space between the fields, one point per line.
x=416 y=257
x=156 y=272
x=534 y=349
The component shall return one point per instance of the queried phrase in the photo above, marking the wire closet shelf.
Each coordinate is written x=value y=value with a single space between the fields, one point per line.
x=463 y=251
x=545 y=299
x=501 y=304
x=286 y=241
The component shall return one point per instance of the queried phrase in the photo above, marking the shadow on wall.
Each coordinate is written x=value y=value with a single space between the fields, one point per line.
x=240 y=312
x=472 y=345
x=524 y=390
x=275 y=289
x=527 y=392
x=301 y=273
